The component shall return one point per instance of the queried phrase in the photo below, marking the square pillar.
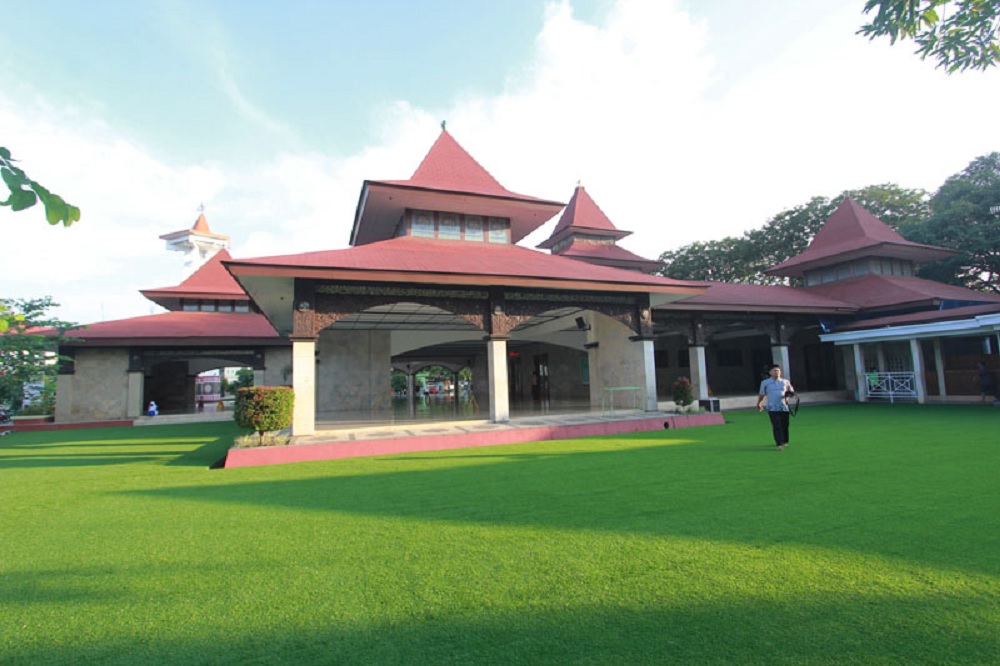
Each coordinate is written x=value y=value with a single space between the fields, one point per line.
x=304 y=385
x=649 y=366
x=133 y=404
x=860 y=374
x=496 y=353
x=919 y=383
x=699 y=371
x=779 y=355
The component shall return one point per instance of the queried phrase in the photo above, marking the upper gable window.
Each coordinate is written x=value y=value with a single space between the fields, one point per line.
x=454 y=226
x=474 y=228
x=422 y=224
x=449 y=227
x=499 y=230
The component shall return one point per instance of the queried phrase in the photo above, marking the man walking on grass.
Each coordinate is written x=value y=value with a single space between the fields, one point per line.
x=773 y=392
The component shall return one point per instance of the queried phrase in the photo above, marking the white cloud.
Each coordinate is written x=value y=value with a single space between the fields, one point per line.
x=634 y=108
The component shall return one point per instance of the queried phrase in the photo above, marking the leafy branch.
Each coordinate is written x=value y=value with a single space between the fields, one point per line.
x=25 y=193
x=966 y=37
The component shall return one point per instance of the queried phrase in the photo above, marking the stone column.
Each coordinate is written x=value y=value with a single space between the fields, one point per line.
x=779 y=355
x=939 y=368
x=699 y=371
x=133 y=404
x=649 y=365
x=919 y=382
x=411 y=405
x=496 y=349
x=860 y=374
x=304 y=385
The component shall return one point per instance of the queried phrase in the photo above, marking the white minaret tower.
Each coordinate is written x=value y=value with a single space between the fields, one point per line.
x=198 y=243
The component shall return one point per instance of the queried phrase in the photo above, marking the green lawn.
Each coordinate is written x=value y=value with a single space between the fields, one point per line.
x=875 y=538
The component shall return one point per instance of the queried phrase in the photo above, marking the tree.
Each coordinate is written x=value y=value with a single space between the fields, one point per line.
x=962 y=219
x=265 y=408
x=744 y=259
x=29 y=340
x=244 y=379
x=960 y=35
x=25 y=193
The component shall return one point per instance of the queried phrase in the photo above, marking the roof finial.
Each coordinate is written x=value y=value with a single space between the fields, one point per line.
x=443 y=122
x=579 y=182
x=201 y=207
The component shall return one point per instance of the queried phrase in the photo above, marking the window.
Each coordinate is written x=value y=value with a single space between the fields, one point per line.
x=422 y=224
x=449 y=228
x=499 y=230
x=241 y=307
x=474 y=228
x=189 y=306
x=683 y=358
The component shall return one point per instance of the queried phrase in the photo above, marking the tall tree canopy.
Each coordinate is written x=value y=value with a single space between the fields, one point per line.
x=29 y=338
x=744 y=259
x=25 y=193
x=962 y=218
x=959 y=34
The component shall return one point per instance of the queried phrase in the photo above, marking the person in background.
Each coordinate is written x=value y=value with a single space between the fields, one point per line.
x=153 y=409
x=771 y=396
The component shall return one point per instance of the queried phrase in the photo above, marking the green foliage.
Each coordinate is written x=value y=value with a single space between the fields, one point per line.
x=29 y=342
x=25 y=193
x=959 y=34
x=264 y=408
x=961 y=219
x=244 y=379
x=399 y=382
x=744 y=259
x=682 y=392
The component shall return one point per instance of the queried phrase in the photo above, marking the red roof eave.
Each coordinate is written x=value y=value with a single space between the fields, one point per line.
x=356 y=274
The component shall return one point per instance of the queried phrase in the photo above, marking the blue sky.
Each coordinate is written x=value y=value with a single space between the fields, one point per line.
x=685 y=119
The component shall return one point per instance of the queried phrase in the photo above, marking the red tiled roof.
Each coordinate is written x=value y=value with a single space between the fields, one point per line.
x=852 y=232
x=448 y=179
x=459 y=260
x=582 y=214
x=728 y=296
x=448 y=166
x=212 y=280
x=608 y=255
x=925 y=317
x=879 y=291
x=179 y=328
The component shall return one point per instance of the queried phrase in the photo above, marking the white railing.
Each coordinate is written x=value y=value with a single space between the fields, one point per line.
x=891 y=385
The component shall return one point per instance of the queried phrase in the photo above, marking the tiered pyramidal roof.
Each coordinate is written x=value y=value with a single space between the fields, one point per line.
x=585 y=233
x=448 y=179
x=853 y=233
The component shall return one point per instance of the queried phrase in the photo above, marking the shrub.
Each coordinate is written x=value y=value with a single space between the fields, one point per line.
x=682 y=392
x=264 y=408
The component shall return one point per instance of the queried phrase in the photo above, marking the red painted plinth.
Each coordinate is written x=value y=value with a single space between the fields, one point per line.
x=275 y=455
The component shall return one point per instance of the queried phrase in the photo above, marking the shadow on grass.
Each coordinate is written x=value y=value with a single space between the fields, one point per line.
x=198 y=445
x=837 y=629
x=939 y=510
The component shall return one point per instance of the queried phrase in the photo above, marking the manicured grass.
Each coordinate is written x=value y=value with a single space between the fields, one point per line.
x=875 y=538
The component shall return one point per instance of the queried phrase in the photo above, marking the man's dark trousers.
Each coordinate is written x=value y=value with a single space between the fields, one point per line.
x=779 y=424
